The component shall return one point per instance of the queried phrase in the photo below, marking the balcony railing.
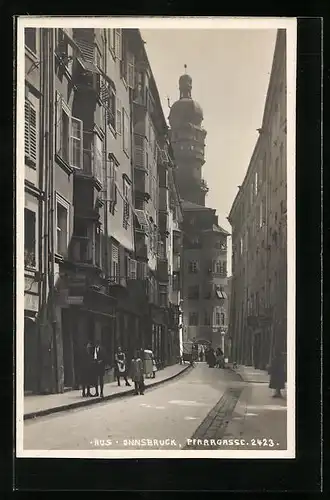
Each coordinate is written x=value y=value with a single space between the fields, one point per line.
x=140 y=152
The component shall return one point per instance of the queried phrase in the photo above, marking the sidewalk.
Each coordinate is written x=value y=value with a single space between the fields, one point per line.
x=37 y=406
x=258 y=418
x=252 y=375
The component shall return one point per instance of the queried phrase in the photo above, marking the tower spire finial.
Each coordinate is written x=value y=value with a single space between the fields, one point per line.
x=185 y=69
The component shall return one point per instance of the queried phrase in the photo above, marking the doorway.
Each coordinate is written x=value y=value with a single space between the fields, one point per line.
x=67 y=342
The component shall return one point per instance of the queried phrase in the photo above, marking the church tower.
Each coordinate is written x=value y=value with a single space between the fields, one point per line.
x=188 y=142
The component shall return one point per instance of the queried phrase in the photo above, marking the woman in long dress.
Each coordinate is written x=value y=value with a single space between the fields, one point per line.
x=121 y=366
x=277 y=375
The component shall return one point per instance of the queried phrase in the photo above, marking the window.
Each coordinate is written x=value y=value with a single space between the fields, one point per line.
x=251 y=194
x=29 y=238
x=98 y=245
x=218 y=267
x=114 y=264
x=193 y=318
x=111 y=106
x=207 y=318
x=62 y=226
x=193 y=292
x=126 y=196
x=98 y=158
x=193 y=266
x=126 y=134
x=112 y=41
x=163 y=295
x=222 y=318
x=113 y=172
x=69 y=133
x=264 y=166
x=241 y=246
x=118 y=43
x=276 y=172
x=119 y=117
x=217 y=318
x=76 y=143
x=130 y=70
x=31 y=39
x=30 y=132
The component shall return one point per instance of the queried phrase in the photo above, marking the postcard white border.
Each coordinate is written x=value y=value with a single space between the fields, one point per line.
x=240 y=23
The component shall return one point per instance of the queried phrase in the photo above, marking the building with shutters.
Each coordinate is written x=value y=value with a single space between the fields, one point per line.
x=205 y=315
x=258 y=311
x=33 y=203
x=158 y=213
x=102 y=208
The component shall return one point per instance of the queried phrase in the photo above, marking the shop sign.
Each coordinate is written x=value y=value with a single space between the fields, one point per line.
x=75 y=301
x=31 y=302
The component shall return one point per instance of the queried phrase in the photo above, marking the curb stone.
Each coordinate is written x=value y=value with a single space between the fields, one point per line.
x=92 y=401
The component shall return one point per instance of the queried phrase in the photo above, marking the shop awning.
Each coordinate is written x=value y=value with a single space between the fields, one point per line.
x=221 y=294
x=88 y=66
x=142 y=219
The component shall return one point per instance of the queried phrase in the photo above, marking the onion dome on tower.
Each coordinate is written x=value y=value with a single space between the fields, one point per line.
x=185 y=110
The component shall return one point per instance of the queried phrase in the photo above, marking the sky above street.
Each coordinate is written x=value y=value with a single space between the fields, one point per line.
x=230 y=70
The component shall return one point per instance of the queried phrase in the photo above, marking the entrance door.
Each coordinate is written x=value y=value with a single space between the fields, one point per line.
x=30 y=355
x=67 y=349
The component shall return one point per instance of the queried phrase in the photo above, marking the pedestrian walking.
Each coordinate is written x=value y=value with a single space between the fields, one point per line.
x=99 y=368
x=137 y=373
x=87 y=370
x=201 y=355
x=277 y=374
x=121 y=366
x=212 y=358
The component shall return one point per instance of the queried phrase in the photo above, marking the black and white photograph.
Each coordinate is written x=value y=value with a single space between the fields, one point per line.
x=155 y=237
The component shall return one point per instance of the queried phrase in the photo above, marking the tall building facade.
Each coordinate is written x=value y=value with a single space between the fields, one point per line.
x=205 y=301
x=102 y=209
x=258 y=218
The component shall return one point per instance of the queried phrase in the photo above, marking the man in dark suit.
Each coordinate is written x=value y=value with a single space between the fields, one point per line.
x=99 y=363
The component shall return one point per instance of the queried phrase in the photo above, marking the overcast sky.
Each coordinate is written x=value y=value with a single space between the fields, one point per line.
x=230 y=70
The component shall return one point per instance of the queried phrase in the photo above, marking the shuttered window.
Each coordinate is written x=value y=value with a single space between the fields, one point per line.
x=118 y=43
x=115 y=263
x=130 y=70
x=119 y=117
x=30 y=143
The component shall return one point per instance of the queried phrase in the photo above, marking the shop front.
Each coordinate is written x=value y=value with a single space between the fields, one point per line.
x=85 y=318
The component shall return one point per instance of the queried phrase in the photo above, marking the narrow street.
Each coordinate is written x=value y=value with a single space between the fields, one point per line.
x=196 y=406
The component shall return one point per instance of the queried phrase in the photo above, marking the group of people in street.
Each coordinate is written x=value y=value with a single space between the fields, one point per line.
x=215 y=358
x=94 y=361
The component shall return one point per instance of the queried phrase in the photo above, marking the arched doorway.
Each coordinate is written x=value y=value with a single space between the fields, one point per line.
x=30 y=355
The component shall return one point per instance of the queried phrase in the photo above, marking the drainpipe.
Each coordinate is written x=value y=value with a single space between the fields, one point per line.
x=52 y=202
x=42 y=216
x=106 y=234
